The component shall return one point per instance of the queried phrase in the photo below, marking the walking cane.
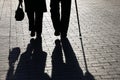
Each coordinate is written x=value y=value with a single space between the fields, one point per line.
x=80 y=35
x=88 y=75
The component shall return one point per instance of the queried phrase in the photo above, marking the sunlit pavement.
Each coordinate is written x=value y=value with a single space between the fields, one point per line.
x=100 y=28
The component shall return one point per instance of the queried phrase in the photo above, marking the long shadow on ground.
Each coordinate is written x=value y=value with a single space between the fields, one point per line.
x=31 y=64
x=70 y=69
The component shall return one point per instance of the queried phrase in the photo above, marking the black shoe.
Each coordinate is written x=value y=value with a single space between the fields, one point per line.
x=32 y=33
x=57 y=33
x=63 y=35
x=38 y=34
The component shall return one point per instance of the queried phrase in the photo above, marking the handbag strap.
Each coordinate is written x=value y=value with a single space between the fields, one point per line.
x=20 y=5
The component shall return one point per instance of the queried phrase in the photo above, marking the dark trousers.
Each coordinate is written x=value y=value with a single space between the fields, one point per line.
x=60 y=19
x=35 y=21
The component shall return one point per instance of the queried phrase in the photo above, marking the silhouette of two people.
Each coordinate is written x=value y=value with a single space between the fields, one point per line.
x=31 y=65
x=60 y=19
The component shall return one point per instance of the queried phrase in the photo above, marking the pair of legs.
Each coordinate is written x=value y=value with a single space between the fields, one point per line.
x=35 y=22
x=60 y=19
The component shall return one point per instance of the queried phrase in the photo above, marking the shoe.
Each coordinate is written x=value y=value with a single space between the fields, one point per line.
x=63 y=35
x=57 y=33
x=38 y=34
x=32 y=33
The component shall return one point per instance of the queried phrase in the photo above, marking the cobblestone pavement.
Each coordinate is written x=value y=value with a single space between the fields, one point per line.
x=100 y=27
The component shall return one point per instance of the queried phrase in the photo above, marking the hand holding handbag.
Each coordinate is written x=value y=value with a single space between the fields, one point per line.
x=19 y=13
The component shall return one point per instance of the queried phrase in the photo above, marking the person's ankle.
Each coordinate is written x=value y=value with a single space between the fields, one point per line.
x=57 y=33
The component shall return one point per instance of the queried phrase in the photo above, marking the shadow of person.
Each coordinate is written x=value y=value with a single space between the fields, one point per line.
x=31 y=64
x=73 y=63
x=57 y=62
x=13 y=57
x=68 y=70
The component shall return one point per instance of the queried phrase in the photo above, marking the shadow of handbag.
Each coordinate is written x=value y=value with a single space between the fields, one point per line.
x=19 y=13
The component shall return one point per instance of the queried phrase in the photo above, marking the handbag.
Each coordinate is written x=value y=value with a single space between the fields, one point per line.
x=19 y=13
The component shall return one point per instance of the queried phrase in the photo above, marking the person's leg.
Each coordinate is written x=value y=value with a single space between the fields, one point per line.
x=55 y=16
x=38 y=22
x=30 y=15
x=65 y=16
